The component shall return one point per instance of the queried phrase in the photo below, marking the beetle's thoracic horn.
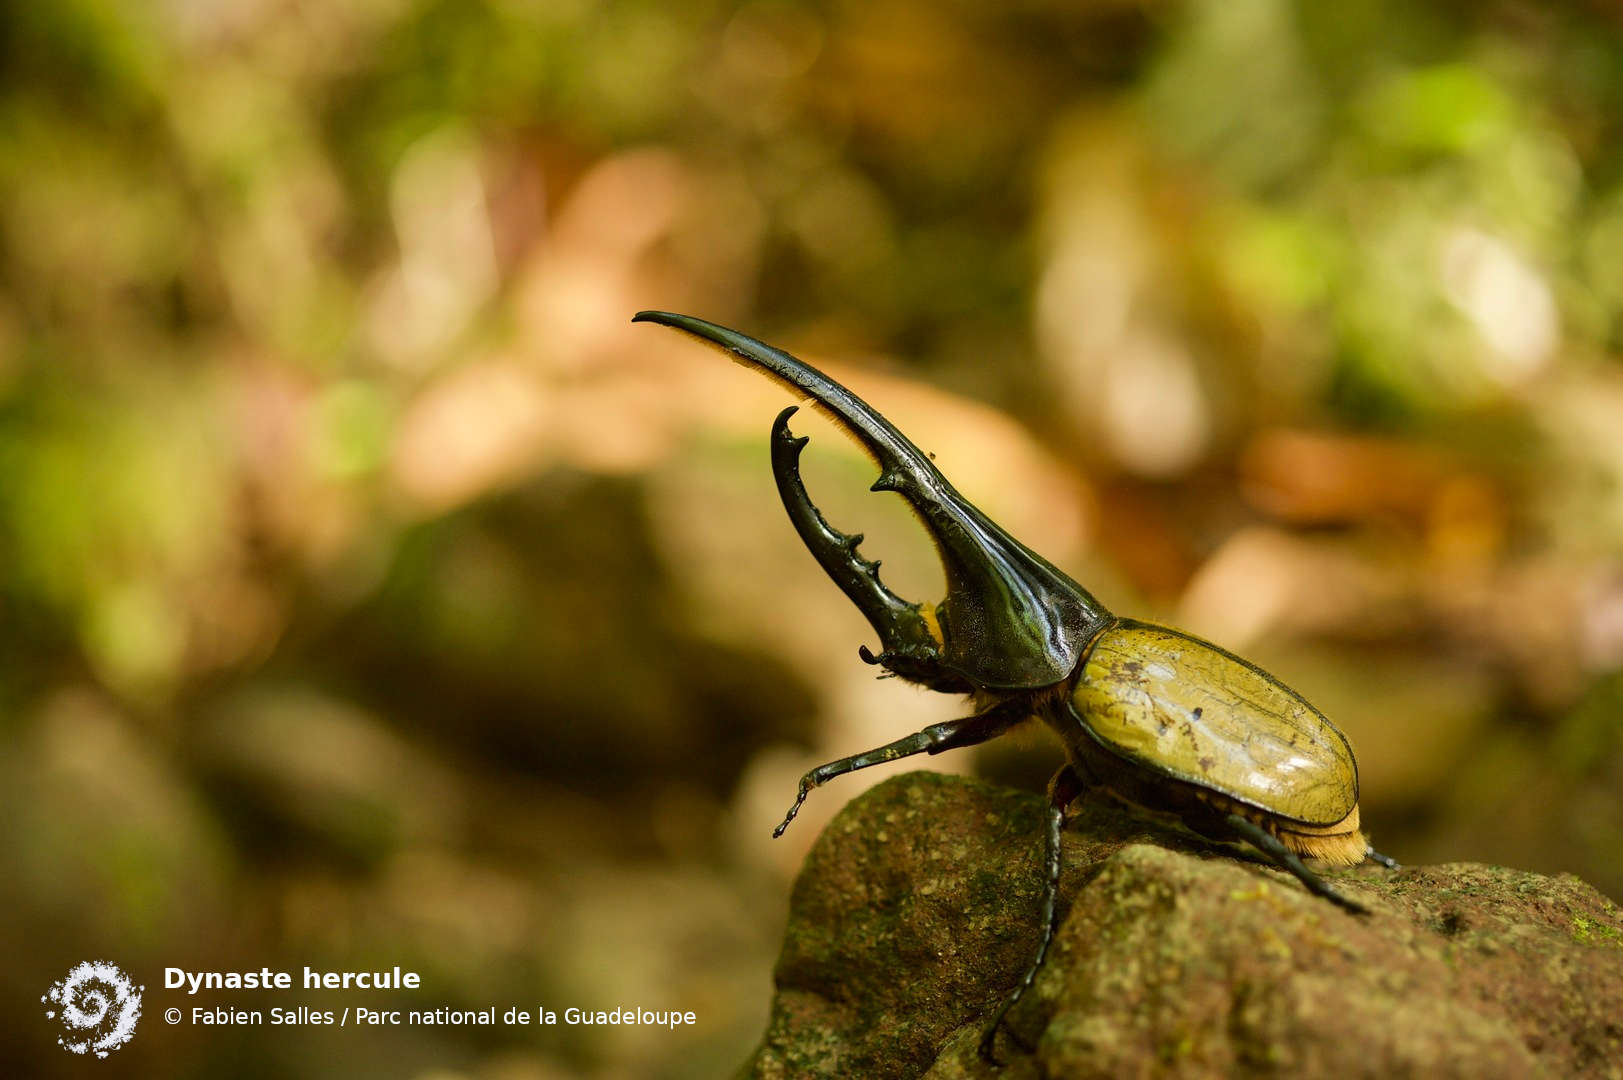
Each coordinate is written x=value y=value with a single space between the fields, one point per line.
x=1010 y=619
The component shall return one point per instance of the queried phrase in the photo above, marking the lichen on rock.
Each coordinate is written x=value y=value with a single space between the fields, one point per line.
x=916 y=912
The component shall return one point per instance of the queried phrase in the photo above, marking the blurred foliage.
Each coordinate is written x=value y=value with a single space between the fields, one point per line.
x=373 y=592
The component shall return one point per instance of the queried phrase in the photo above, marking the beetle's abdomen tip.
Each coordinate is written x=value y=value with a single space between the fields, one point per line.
x=1339 y=847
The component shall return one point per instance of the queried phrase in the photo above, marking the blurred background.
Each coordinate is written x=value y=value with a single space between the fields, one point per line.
x=372 y=592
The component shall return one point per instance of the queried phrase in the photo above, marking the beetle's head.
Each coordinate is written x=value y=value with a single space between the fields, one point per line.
x=1010 y=620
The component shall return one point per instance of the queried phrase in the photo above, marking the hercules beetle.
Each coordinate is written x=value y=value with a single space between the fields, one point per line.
x=1161 y=719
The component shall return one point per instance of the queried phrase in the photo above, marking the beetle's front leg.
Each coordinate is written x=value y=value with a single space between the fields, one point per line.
x=1063 y=790
x=948 y=735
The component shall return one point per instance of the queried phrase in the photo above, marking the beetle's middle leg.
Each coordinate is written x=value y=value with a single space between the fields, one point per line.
x=948 y=735
x=1063 y=790
x=1287 y=860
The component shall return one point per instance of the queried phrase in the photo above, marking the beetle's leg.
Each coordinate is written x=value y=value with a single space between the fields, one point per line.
x=1270 y=845
x=1063 y=790
x=1376 y=857
x=948 y=735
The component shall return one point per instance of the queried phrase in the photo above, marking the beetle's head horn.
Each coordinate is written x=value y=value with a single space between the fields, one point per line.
x=1010 y=620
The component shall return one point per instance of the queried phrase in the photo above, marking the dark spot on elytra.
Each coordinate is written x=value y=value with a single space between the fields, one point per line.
x=1206 y=764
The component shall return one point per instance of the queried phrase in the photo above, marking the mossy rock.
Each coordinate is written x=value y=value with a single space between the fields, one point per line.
x=916 y=912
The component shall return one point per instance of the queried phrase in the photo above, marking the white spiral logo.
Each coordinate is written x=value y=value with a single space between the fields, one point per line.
x=98 y=1008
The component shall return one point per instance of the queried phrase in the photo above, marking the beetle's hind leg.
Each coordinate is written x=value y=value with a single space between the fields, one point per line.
x=1384 y=860
x=948 y=735
x=1287 y=860
x=1063 y=790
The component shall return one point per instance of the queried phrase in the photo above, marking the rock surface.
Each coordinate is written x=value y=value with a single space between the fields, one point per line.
x=916 y=911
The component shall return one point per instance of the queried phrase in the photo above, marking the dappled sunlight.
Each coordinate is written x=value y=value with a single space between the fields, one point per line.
x=447 y=266
x=480 y=427
x=1510 y=306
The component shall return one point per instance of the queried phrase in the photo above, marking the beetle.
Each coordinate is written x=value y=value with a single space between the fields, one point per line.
x=1157 y=717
